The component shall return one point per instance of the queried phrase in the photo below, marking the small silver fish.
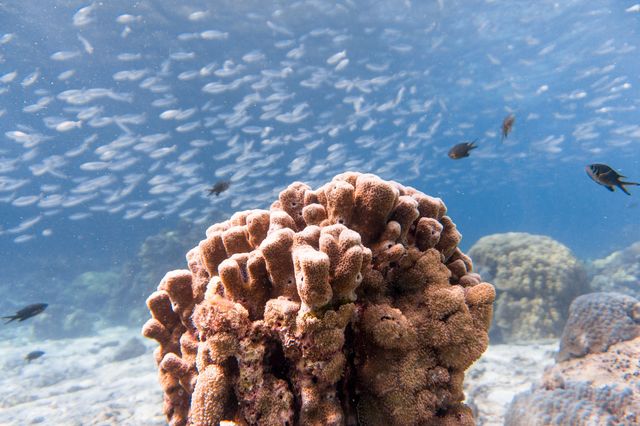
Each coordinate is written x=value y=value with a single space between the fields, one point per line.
x=607 y=177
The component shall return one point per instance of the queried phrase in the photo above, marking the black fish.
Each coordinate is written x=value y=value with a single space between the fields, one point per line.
x=607 y=177
x=507 y=125
x=26 y=312
x=33 y=355
x=219 y=187
x=461 y=150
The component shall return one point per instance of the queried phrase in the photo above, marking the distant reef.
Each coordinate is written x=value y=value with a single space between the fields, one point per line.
x=157 y=253
x=619 y=272
x=536 y=278
x=83 y=298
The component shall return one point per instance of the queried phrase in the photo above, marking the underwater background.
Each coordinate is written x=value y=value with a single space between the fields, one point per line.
x=116 y=118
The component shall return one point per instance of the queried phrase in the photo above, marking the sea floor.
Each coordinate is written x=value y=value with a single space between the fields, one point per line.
x=110 y=379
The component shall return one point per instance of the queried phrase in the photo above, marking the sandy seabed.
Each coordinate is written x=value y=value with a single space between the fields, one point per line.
x=102 y=380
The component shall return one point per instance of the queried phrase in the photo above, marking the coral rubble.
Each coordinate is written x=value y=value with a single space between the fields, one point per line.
x=596 y=378
x=536 y=279
x=346 y=305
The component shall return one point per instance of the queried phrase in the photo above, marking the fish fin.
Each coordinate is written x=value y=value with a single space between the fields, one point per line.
x=622 y=184
x=10 y=318
x=623 y=189
x=473 y=145
x=609 y=187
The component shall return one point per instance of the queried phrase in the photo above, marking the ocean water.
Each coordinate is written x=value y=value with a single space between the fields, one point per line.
x=116 y=117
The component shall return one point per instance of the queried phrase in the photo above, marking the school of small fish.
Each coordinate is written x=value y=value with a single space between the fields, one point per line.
x=136 y=110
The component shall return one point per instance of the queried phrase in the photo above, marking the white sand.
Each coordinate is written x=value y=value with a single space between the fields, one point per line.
x=501 y=373
x=77 y=382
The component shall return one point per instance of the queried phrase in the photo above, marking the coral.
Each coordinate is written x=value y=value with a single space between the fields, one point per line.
x=576 y=403
x=596 y=376
x=619 y=272
x=346 y=305
x=93 y=289
x=536 y=278
x=64 y=321
x=597 y=321
x=156 y=254
x=597 y=389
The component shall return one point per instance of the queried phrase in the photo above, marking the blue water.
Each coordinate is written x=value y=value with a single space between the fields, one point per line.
x=266 y=81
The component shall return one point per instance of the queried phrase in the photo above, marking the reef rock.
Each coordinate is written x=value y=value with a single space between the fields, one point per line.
x=536 y=278
x=346 y=305
x=596 y=379
x=619 y=272
x=129 y=349
x=597 y=321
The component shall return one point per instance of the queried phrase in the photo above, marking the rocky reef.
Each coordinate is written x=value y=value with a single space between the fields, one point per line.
x=350 y=304
x=596 y=378
x=596 y=322
x=536 y=278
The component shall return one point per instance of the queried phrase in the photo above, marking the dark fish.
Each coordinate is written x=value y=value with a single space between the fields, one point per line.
x=26 y=312
x=461 y=150
x=507 y=125
x=607 y=177
x=33 y=355
x=219 y=187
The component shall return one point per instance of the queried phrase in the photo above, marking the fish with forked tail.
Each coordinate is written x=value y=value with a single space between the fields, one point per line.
x=462 y=150
x=607 y=177
x=26 y=312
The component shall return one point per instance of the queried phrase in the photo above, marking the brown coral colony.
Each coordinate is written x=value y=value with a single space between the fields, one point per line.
x=346 y=305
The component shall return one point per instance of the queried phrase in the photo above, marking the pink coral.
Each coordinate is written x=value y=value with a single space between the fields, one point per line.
x=350 y=304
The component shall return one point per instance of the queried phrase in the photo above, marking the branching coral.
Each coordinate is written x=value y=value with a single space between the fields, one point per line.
x=350 y=304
